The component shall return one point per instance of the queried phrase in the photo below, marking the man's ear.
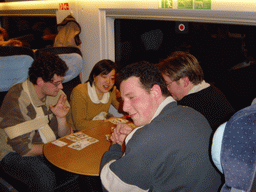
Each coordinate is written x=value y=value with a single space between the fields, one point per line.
x=185 y=81
x=156 y=91
x=39 y=81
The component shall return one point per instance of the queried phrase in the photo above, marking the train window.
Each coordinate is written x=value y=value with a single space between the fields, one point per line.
x=34 y=31
x=226 y=52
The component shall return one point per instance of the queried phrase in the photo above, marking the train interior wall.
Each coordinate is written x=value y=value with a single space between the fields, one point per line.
x=226 y=52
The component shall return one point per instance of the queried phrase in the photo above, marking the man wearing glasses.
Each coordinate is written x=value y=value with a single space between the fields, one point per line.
x=184 y=78
x=33 y=113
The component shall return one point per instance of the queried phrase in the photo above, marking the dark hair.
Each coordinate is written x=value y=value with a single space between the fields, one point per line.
x=148 y=74
x=104 y=67
x=182 y=64
x=46 y=65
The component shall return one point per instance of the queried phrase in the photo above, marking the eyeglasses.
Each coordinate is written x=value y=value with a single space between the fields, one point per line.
x=168 y=83
x=56 y=84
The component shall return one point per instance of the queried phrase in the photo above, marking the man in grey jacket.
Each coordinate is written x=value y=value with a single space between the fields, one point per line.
x=168 y=151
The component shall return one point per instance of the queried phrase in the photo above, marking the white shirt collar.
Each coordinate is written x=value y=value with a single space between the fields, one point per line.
x=199 y=87
x=94 y=97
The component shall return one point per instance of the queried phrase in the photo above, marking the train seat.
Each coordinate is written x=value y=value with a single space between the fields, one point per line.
x=14 y=65
x=74 y=60
x=233 y=151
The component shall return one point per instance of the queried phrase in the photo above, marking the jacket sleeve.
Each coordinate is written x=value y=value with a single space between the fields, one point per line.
x=128 y=172
x=114 y=153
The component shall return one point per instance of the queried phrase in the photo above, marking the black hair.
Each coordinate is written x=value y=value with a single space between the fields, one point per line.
x=148 y=74
x=104 y=67
x=46 y=65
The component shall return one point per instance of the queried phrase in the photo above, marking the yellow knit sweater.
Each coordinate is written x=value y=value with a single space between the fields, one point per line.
x=83 y=110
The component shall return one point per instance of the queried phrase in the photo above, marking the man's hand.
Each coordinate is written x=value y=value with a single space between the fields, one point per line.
x=120 y=133
x=60 y=110
x=12 y=42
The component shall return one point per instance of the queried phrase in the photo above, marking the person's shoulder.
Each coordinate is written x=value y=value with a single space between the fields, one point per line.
x=211 y=91
x=15 y=97
x=81 y=86
x=79 y=91
x=196 y=118
x=190 y=112
x=14 y=91
x=217 y=95
x=182 y=116
x=213 y=88
x=187 y=109
x=178 y=109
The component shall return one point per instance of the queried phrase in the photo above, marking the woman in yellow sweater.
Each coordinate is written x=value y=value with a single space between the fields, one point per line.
x=90 y=101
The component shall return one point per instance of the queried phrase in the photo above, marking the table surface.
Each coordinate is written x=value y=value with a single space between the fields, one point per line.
x=85 y=161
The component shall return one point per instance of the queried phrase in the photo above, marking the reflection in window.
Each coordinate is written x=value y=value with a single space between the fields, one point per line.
x=34 y=32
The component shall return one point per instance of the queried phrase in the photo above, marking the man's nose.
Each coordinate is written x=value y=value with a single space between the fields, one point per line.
x=60 y=86
x=126 y=106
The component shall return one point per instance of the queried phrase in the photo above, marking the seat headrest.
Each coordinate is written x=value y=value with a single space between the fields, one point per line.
x=13 y=69
x=59 y=50
x=12 y=50
x=238 y=152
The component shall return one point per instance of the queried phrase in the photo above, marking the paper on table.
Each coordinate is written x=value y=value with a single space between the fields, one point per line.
x=59 y=143
x=83 y=143
x=77 y=137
